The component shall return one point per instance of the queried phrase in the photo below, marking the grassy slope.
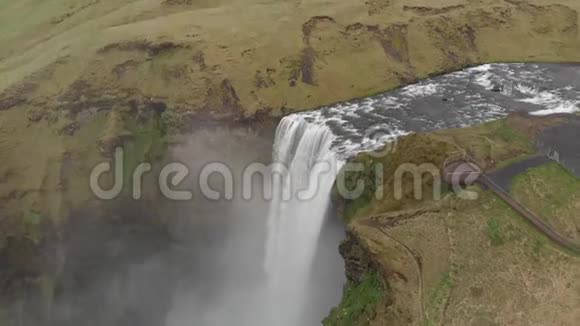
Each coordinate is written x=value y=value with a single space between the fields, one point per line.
x=491 y=144
x=69 y=68
x=553 y=193
x=358 y=303
x=480 y=263
x=275 y=55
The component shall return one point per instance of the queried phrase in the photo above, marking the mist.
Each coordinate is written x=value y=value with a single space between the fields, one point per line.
x=179 y=263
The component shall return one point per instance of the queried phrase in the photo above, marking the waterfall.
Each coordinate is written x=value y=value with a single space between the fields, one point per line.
x=328 y=135
x=303 y=178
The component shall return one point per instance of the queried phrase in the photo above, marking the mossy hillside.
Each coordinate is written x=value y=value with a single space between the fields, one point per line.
x=143 y=140
x=142 y=136
x=358 y=303
x=413 y=150
x=21 y=238
x=559 y=196
x=459 y=229
x=496 y=143
x=30 y=215
x=491 y=144
x=512 y=256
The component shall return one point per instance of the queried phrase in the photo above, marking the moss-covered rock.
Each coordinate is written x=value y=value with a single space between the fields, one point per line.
x=364 y=289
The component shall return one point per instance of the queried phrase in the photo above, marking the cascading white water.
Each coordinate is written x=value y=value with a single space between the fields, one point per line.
x=303 y=181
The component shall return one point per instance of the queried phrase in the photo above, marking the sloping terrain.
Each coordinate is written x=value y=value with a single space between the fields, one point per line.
x=73 y=72
x=232 y=59
x=78 y=78
x=478 y=264
x=467 y=259
x=558 y=194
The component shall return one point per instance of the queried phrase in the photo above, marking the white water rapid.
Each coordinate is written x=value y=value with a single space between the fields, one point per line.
x=307 y=168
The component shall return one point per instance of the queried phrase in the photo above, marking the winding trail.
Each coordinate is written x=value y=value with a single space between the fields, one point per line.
x=414 y=255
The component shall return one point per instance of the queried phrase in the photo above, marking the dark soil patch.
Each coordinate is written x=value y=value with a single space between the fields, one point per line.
x=310 y=25
x=393 y=39
x=120 y=69
x=427 y=11
x=9 y=102
x=152 y=49
x=307 y=66
x=177 y=2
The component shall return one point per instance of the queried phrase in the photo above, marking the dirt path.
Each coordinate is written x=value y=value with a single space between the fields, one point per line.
x=416 y=258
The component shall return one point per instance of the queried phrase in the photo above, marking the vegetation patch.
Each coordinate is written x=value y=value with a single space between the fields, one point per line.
x=553 y=193
x=493 y=231
x=437 y=296
x=494 y=143
x=538 y=247
x=365 y=176
x=32 y=223
x=385 y=187
x=491 y=144
x=358 y=303
x=557 y=187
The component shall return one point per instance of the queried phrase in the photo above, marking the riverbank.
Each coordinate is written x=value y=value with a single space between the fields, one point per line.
x=467 y=258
